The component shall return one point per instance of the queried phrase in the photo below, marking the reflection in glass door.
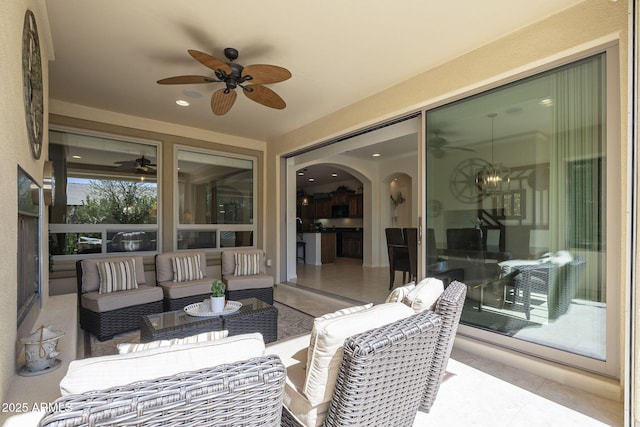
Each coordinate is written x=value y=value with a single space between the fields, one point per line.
x=522 y=217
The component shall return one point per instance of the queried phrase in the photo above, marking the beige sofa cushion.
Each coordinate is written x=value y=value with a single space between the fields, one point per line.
x=293 y=353
x=164 y=268
x=175 y=290
x=235 y=283
x=323 y=367
x=91 y=277
x=228 y=264
x=99 y=373
x=101 y=303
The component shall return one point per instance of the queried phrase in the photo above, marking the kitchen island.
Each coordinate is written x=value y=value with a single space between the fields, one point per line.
x=320 y=247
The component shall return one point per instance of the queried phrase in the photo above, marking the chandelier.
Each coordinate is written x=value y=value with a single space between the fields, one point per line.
x=493 y=178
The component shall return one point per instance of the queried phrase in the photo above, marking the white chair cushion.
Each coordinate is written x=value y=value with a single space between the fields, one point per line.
x=320 y=322
x=293 y=354
x=324 y=364
x=424 y=295
x=125 y=348
x=99 y=373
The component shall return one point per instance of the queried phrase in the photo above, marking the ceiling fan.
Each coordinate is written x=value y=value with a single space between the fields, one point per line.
x=437 y=144
x=141 y=164
x=250 y=78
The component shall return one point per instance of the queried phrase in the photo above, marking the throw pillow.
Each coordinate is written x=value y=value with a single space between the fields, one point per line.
x=424 y=295
x=124 y=348
x=246 y=264
x=186 y=268
x=117 y=276
x=398 y=294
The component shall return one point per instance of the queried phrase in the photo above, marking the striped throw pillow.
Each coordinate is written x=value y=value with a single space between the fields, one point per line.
x=246 y=264
x=117 y=276
x=186 y=268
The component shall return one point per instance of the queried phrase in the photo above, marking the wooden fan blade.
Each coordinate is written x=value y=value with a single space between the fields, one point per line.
x=265 y=74
x=184 y=80
x=209 y=61
x=222 y=102
x=265 y=96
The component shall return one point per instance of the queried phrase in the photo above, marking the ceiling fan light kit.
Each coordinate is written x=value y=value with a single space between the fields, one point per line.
x=250 y=79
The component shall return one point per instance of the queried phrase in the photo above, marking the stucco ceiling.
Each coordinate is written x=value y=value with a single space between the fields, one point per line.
x=109 y=54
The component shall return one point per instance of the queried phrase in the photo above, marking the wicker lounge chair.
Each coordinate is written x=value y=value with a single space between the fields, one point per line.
x=178 y=295
x=247 y=393
x=253 y=282
x=122 y=310
x=449 y=306
x=383 y=374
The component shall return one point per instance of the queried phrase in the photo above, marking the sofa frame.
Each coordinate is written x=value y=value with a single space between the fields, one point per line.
x=248 y=393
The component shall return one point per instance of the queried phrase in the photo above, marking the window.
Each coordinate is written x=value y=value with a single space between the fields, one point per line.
x=215 y=200
x=28 y=260
x=523 y=216
x=106 y=198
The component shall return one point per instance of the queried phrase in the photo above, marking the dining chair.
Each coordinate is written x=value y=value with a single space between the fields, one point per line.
x=398 y=254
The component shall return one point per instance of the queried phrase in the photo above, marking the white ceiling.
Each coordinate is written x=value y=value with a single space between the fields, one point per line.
x=109 y=54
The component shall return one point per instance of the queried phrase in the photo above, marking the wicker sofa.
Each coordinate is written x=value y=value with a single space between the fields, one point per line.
x=106 y=315
x=180 y=293
x=384 y=374
x=247 y=282
x=206 y=379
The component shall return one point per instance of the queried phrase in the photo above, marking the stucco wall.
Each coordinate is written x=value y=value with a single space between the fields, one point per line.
x=15 y=152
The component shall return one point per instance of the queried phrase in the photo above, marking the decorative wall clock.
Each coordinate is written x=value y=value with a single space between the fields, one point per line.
x=464 y=180
x=32 y=83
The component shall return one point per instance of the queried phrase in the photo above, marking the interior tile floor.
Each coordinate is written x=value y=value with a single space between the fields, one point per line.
x=476 y=391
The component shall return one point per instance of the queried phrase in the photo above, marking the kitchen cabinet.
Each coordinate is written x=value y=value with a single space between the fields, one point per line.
x=328 y=248
x=322 y=208
x=352 y=244
x=355 y=206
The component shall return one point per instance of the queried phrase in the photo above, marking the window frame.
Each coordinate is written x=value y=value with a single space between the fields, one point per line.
x=217 y=228
x=55 y=228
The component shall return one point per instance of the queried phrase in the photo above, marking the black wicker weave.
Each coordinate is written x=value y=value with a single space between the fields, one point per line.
x=382 y=374
x=180 y=303
x=247 y=393
x=254 y=316
x=449 y=306
x=264 y=294
x=107 y=324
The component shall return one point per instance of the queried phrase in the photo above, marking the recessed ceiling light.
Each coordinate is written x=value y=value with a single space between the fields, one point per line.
x=334 y=174
x=75 y=156
x=182 y=103
x=311 y=179
x=376 y=154
x=300 y=173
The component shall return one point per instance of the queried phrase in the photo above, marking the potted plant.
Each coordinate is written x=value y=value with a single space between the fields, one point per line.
x=217 y=296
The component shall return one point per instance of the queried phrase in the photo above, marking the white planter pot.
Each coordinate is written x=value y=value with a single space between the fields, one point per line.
x=217 y=304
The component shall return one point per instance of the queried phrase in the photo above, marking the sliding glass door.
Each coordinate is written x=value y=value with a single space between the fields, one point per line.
x=517 y=208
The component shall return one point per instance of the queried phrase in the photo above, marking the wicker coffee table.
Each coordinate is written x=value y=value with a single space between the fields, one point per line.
x=254 y=316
